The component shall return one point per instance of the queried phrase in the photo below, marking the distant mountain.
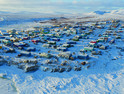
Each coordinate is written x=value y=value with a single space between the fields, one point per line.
x=119 y=12
x=4 y=12
x=101 y=12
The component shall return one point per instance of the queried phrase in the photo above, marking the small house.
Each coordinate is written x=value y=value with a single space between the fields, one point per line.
x=13 y=31
x=118 y=37
x=72 y=31
x=20 y=44
x=62 y=49
x=2 y=32
x=49 y=35
x=27 y=54
x=65 y=55
x=9 y=50
x=46 y=45
x=36 y=32
x=92 y=44
x=103 y=47
x=46 y=38
x=67 y=45
x=14 y=40
x=30 y=34
x=31 y=67
x=30 y=49
x=100 y=27
x=83 y=35
x=105 y=35
x=96 y=53
x=58 y=35
x=112 y=41
x=7 y=42
x=45 y=55
x=45 y=31
x=75 y=39
x=55 y=39
x=88 y=49
x=25 y=38
x=71 y=42
x=101 y=39
x=41 y=35
x=35 y=41
x=83 y=56
x=120 y=31
x=51 y=42
x=54 y=46
x=2 y=37
x=37 y=28
x=93 y=41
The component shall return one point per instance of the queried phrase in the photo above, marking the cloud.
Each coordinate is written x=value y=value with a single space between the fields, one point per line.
x=48 y=6
x=20 y=2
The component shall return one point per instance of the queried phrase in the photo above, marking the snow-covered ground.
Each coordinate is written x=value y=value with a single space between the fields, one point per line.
x=105 y=76
x=6 y=85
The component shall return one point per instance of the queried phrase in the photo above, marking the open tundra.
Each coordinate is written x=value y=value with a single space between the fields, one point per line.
x=62 y=56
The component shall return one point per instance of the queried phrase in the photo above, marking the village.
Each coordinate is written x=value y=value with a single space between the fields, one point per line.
x=62 y=47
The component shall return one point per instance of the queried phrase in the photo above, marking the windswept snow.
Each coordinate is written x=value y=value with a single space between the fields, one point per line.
x=104 y=77
x=7 y=86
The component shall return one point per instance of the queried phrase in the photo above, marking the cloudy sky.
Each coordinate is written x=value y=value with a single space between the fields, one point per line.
x=60 y=6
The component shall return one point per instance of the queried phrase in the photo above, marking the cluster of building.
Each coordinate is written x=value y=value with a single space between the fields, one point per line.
x=60 y=48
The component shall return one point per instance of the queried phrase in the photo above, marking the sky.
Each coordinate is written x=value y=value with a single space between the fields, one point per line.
x=60 y=6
